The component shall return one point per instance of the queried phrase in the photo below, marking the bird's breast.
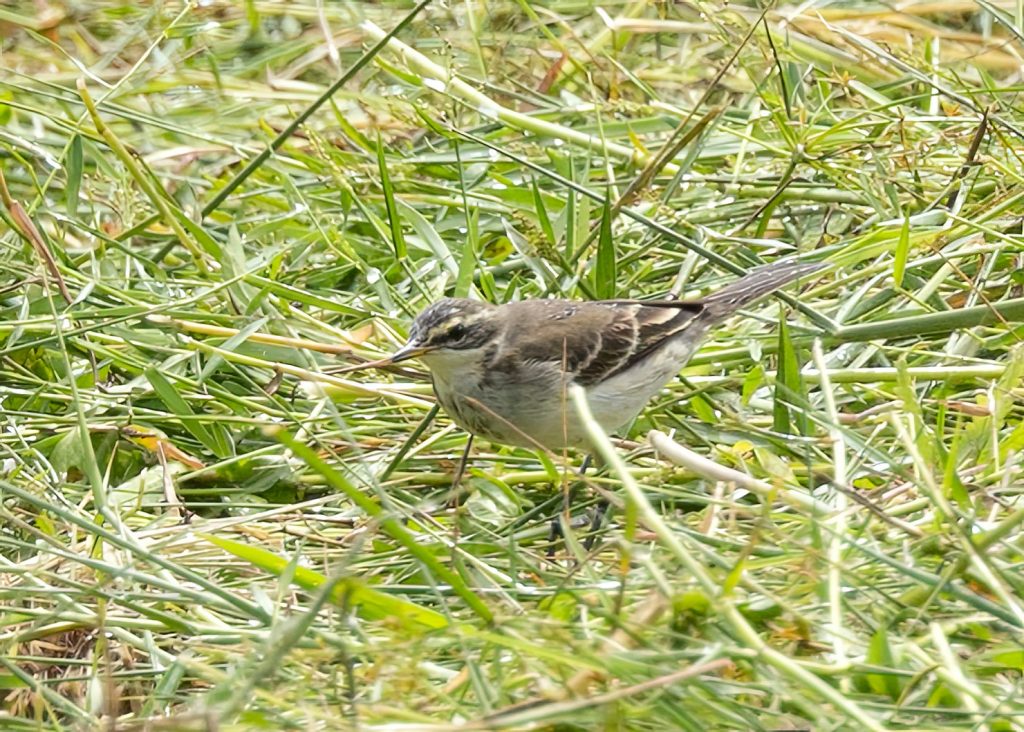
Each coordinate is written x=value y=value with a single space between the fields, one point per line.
x=524 y=407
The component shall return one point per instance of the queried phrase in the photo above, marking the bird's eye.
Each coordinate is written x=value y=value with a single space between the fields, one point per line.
x=457 y=332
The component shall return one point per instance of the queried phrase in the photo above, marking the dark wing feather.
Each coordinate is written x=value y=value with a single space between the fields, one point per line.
x=589 y=340
x=567 y=334
x=618 y=341
x=657 y=322
x=592 y=341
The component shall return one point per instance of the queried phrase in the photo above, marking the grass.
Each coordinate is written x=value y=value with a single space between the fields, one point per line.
x=209 y=208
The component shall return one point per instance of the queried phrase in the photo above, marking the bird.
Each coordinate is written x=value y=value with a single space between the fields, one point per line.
x=502 y=372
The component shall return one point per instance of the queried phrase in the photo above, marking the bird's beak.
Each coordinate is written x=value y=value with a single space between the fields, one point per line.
x=409 y=350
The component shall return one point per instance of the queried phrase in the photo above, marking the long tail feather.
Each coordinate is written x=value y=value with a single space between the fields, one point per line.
x=753 y=286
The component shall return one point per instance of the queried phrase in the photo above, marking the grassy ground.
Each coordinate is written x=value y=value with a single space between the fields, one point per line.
x=202 y=528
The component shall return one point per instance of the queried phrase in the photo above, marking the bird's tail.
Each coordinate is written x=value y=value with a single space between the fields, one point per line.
x=753 y=286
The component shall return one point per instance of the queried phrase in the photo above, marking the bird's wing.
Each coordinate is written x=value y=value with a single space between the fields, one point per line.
x=656 y=323
x=590 y=341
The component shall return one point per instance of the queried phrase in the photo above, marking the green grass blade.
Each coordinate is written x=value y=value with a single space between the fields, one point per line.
x=605 y=269
x=75 y=167
x=213 y=439
x=389 y=524
x=348 y=592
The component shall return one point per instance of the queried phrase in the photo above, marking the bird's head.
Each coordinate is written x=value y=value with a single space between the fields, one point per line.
x=449 y=325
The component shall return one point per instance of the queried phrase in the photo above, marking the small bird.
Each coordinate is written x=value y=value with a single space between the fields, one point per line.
x=502 y=372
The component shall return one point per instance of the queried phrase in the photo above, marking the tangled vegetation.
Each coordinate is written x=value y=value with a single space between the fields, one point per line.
x=210 y=207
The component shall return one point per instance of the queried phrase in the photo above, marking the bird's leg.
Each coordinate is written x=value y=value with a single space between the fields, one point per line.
x=453 y=493
x=600 y=511
x=459 y=473
x=556 y=522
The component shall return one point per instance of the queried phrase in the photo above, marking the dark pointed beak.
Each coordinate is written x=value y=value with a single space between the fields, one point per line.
x=409 y=350
x=406 y=352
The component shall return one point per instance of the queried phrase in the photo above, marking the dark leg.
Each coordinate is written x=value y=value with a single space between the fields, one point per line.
x=556 y=525
x=600 y=511
x=460 y=471
x=553 y=534
x=454 y=493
